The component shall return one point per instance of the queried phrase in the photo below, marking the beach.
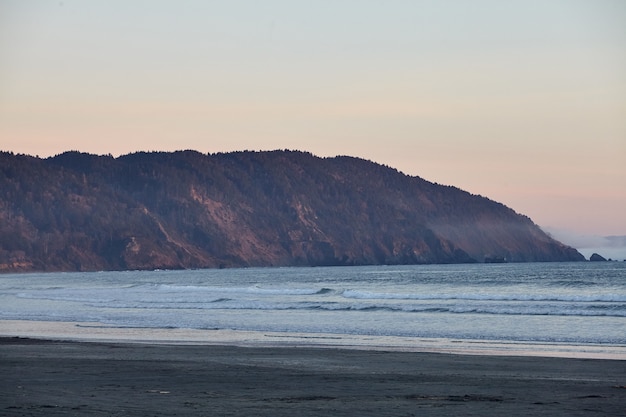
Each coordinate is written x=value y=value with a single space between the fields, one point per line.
x=42 y=377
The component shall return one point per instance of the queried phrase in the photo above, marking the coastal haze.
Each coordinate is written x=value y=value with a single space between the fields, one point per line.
x=522 y=102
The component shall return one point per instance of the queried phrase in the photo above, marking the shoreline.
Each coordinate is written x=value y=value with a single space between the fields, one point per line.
x=58 y=378
x=99 y=332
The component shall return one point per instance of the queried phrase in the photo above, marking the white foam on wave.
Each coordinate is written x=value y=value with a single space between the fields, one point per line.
x=254 y=289
x=161 y=292
x=369 y=295
x=178 y=297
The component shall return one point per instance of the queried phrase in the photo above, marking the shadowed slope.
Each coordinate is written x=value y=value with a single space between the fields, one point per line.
x=188 y=210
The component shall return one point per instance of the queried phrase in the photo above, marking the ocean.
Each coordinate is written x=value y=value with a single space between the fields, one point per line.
x=570 y=306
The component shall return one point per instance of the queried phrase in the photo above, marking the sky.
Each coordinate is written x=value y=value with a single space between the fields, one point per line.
x=523 y=101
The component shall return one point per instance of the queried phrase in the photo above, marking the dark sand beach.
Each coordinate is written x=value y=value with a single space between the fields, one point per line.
x=54 y=378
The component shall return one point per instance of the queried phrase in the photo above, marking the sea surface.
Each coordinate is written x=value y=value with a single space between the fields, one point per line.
x=579 y=304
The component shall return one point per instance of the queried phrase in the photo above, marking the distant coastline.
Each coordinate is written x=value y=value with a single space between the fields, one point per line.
x=185 y=209
x=610 y=247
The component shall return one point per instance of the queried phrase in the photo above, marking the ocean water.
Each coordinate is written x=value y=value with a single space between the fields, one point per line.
x=576 y=304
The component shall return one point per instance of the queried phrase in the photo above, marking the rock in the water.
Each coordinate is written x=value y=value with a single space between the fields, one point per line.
x=597 y=258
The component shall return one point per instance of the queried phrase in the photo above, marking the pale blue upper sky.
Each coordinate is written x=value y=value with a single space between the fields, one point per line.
x=521 y=101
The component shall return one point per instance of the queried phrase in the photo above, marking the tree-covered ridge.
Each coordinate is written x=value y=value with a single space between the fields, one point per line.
x=184 y=209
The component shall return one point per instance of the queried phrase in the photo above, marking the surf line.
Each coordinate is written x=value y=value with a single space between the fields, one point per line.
x=303 y=337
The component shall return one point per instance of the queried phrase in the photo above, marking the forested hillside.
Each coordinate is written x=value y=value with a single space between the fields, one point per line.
x=185 y=209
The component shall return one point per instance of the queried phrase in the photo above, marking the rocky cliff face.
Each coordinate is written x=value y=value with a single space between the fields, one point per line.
x=188 y=210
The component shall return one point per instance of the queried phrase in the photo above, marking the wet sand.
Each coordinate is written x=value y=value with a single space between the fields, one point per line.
x=60 y=378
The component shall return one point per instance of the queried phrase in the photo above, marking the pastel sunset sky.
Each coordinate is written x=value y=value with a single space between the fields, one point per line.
x=520 y=101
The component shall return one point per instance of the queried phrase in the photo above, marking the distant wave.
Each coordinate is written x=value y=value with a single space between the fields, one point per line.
x=367 y=295
x=255 y=289
x=537 y=309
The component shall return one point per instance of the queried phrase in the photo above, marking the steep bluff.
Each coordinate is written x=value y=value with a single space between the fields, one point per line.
x=185 y=209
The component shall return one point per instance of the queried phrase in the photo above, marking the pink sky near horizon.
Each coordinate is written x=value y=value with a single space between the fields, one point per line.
x=523 y=102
